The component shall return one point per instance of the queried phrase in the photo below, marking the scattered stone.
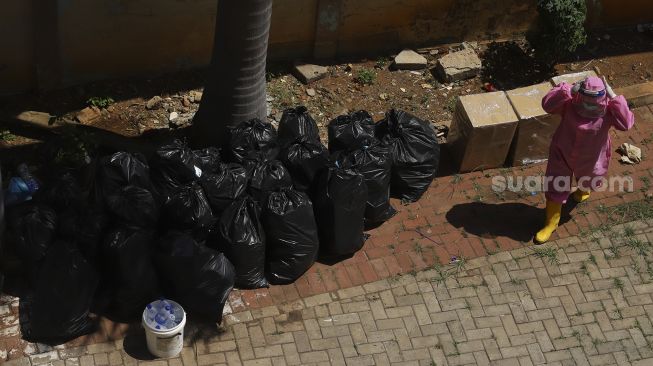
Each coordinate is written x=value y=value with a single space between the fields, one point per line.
x=307 y=73
x=111 y=109
x=469 y=45
x=349 y=67
x=427 y=86
x=195 y=96
x=383 y=96
x=173 y=116
x=410 y=60
x=185 y=102
x=434 y=52
x=181 y=120
x=310 y=92
x=459 y=65
x=153 y=103
x=88 y=115
x=41 y=119
x=151 y=124
x=631 y=154
x=403 y=89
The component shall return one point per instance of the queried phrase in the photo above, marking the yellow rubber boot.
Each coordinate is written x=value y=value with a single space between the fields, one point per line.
x=580 y=196
x=553 y=210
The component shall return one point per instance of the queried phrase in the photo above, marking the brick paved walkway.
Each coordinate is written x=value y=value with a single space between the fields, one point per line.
x=584 y=300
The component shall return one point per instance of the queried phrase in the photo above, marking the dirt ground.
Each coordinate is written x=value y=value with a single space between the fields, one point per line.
x=624 y=56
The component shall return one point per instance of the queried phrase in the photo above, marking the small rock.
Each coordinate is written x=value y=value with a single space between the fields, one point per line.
x=269 y=98
x=111 y=109
x=403 y=89
x=434 y=52
x=469 y=45
x=185 y=109
x=459 y=65
x=410 y=60
x=308 y=73
x=195 y=96
x=349 y=67
x=310 y=92
x=153 y=103
x=173 y=116
x=278 y=115
x=88 y=115
x=427 y=86
x=383 y=96
x=185 y=102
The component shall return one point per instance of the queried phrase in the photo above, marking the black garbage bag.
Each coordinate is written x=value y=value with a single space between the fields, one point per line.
x=188 y=209
x=305 y=160
x=291 y=235
x=173 y=166
x=243 y=242
x=267 y=176
x=415 y=153
x=375 y=164
x=32 y=229
x=253 y=138
x=350 y=132
x=209 y=159
x=339 y=207
x=197 y=277
x=86 y=229
x=57 y=311
x=134 y=206
x=63 y=192
x=224 y=186
x=128 y=272
x=296 y=123
x=122 y=169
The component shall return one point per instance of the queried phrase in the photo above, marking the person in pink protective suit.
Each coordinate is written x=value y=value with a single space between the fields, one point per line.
x=581 y=145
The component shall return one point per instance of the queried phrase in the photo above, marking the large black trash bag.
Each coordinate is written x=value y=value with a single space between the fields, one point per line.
x=32 y=229
x=122 y=169
x=188 y=209
x=128 y=272
x=291 y=235
x=296 y=123
x=305 y=160
x=242 y=238
x=134 y=206
x=375 y=164
x=267 y=176
x=58 y=309
x=197 y=277
x=224 y=186
x=85 y=228
x=209 y=159
x=415 y=153
x=173 y=166
x=62 y=193
x=253 y=138
x=350 y=132
x=339 y=207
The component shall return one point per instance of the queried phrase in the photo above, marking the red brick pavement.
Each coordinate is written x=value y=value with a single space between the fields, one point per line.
x=458 y=216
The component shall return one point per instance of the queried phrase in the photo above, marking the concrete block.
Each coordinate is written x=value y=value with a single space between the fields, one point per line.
x=308 y=73
x=459 y=65
x=482 y=131
x=637 y=95
x=572 y=78
x=410 y=60
x=535 y=127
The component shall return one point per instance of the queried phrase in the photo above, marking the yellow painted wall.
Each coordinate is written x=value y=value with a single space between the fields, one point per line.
x=101 y=39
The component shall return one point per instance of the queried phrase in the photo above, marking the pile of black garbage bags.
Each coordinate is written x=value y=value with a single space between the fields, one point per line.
x=192 y=224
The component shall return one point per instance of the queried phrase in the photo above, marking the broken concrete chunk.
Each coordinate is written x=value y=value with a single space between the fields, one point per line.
x=631 y=154
x=572 y=78
x=535 y=127
x=410 y=60
x=637 y=95
x=40 y=119
x=88 y=115
x=482 y=130
x=459 y=65
x=307 y=73
x=153 y=103
x=195 y=96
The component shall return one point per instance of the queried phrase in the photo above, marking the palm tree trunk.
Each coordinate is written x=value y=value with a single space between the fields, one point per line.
x=235 y=89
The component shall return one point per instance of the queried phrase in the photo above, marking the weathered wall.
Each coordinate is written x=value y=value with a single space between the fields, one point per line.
x=98 y=39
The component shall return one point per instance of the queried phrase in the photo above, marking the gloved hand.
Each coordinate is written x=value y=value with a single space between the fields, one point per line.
x=608 y=89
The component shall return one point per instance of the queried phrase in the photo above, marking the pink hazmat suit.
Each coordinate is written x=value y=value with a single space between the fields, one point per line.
x=581 y=145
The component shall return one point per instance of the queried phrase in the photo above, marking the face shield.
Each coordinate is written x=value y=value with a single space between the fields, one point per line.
x=589 y=98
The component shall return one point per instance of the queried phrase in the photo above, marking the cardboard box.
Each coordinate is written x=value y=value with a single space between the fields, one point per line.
x=482 y=131
x=572 y=78
x=535 y=127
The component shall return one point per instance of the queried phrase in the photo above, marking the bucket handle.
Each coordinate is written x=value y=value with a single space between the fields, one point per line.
x=170 y=337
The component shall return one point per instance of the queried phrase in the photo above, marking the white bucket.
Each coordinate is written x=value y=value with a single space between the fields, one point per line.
x=165 y=343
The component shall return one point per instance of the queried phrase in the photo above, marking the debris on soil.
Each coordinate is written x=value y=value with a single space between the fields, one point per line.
x=308 y=73
x=459 y=65
x=195 y=96
x=410 y=60
x=631 y=154
x=154 y=103
x=88 y=115
x=310 y=92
